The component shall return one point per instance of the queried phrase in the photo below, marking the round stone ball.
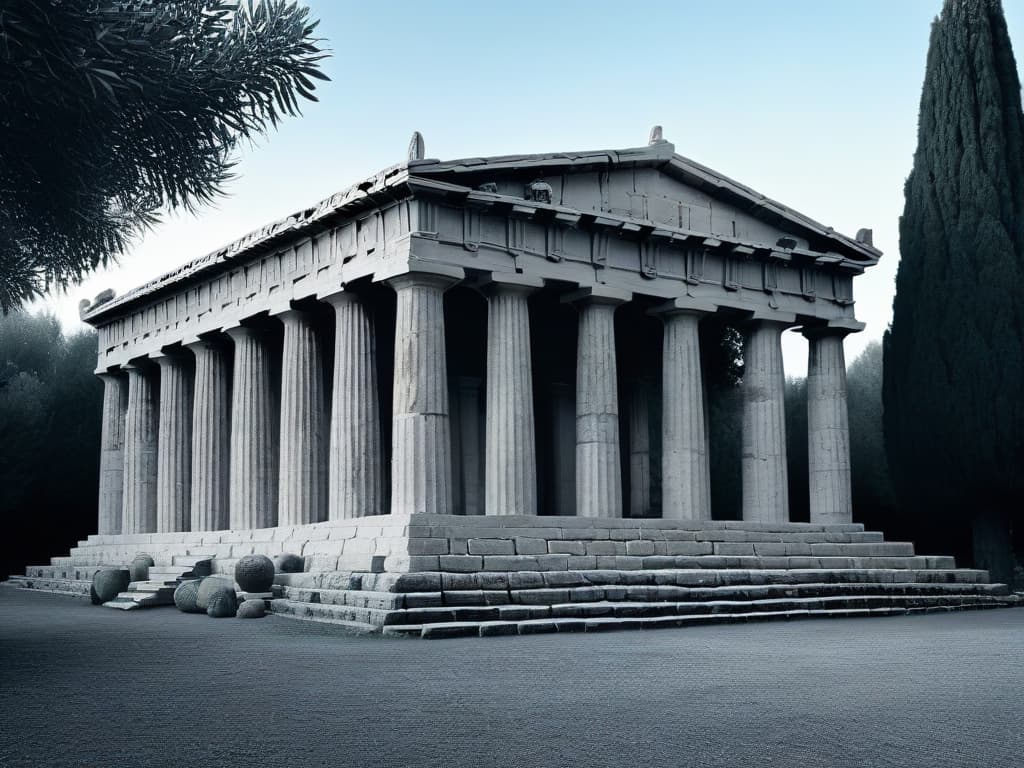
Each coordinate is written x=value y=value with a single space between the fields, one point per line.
x=255 y=573
x=289 y=563
x=106 y=584
x=251 y=609
x=139 y=569
x=222 y=603
x=208 y=586
x=93 y=596
x=186 y=595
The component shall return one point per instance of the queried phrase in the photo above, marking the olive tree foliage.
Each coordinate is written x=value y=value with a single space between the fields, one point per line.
x=50 y=408
x=112 y=111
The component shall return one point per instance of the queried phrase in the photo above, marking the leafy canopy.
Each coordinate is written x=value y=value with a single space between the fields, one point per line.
x=112 y=110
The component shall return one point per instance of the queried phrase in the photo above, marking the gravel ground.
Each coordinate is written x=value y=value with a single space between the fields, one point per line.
x=86 y=686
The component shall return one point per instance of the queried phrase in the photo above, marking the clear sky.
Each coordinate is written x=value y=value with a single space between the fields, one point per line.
x=812 y=103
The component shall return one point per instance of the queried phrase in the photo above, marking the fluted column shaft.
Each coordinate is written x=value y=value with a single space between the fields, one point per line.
x=639 y=448
x=765 y=477
x=302 y=493
x=598 y=463
x=828 y=430
x=355 y=471
x=140 y=452
x=510 y=468
x=253 y=475
x=685 y=473
x=174 y=452
x=211 y=423
x=111 y=501
x=421 y=458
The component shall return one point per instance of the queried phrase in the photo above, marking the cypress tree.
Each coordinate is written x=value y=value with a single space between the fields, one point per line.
x=954 y=355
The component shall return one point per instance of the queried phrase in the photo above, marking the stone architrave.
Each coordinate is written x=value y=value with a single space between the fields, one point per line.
x=211 y=425
x=510 y=469
x=174 y=452
x=140 y=452
x=685 y=469
x=115 y=405
x=253 y=474
x=763 y=462
x=302 y=493
x=598 y=463
x=828 y=430
x=355 y=471
x=421 y=459
x=639 y=447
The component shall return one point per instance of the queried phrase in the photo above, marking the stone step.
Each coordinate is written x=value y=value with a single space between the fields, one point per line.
x=290 y=610
x=141 y=598
x=427 y=582
x=73 y=587
x=327 y=612
x=740 y=613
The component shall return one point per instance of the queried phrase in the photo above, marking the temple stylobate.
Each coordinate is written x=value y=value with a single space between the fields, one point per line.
x=489 y=336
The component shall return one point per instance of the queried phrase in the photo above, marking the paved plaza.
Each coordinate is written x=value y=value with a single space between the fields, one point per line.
x=83 y=686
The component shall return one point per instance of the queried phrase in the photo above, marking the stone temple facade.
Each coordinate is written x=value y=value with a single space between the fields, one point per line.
x=482 y=372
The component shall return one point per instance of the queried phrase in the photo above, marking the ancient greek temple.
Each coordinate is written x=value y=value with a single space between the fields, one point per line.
x=469 y=395
x=474 y=337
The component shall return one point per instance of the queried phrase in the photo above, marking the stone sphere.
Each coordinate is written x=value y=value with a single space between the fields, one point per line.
x=108 y=583
x=251 y=609
x=289 y=563
x=222 y=603
x=208 y=586
x=139 y=569
x=185 y=596
x=93 y=596
x=255 y=573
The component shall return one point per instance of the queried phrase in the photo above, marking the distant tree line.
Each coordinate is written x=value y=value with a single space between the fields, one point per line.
x=50 y=409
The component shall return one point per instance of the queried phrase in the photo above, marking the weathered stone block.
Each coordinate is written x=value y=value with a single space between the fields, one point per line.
x=525 y=580
x=606 y=548
x=640 y=548
x=525 y=545
x=510 y=563
x=492 y=547
x=428 y=546
x=460 y=563
x=567 y=548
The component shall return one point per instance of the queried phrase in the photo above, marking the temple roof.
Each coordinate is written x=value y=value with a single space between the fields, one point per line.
x=393 y=183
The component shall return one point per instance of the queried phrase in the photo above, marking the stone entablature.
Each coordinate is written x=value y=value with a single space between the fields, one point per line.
x=626 y=218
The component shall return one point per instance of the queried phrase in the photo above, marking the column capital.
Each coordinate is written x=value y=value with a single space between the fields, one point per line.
x=841 y=328
x=597 y=294
x=683 y=305
x=768 y=318
x=237 y=332
x=509 y=282
x=338 y=298
x=432 y=279
x=420 y=270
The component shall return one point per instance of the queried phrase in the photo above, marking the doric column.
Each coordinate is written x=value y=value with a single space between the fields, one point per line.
x=763 y=464
x=211 y=423
x=510 y=455
x=252 y=476
x=355 y=471
x=140 y=452
x=421 y=459
x=115 y=404
x=174 y=452
x=302 y=493
x=639 y=448
x=685 y=472
x=828 y=431
x=598 y=463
